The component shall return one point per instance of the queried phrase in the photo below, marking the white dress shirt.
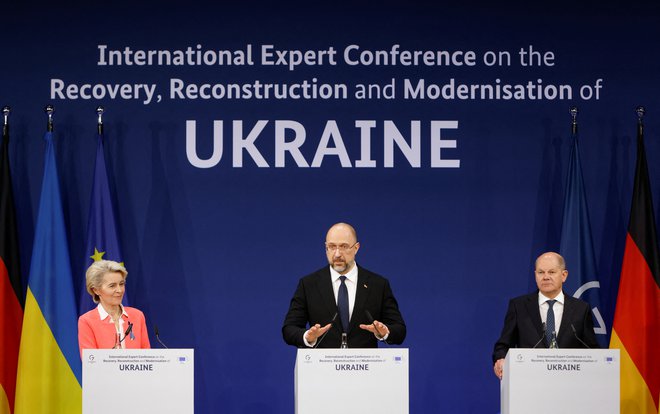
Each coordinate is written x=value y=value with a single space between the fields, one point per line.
x=120 y=332
x=558 y=308
x=351 y=285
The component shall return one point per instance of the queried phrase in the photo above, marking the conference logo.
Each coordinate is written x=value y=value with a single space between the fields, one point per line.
x=91 y=359
x=599 y=328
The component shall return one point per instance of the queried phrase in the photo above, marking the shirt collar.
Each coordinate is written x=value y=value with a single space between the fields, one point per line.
x=351 y=275
x=103 y=314
x=559 y=298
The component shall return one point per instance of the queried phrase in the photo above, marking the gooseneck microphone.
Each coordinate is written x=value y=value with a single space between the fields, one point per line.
x=553 y=342
x=578 y=338
x=332 y=323
x=371 y=320
x=158 y=337
x=542 y=336
x=128 y=331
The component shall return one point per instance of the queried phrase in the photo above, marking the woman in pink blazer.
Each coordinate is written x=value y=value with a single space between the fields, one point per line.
x=110 y=325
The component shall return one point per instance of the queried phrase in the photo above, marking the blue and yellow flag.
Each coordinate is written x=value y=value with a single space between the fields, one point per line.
x=102 y=241
x=577 y=245
x=49 y=367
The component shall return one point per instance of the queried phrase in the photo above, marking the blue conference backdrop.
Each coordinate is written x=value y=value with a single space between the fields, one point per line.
x=235 y=135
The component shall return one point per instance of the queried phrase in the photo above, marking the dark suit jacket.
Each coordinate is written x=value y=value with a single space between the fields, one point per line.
x=523 y=327
x=314 y=302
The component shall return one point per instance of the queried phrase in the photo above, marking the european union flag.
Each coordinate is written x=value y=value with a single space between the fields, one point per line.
x=102 y=241
x=577 y=244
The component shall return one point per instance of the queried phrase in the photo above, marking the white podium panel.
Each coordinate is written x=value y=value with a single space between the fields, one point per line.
x=138 y=381
x=352 y=381
x=560 y=381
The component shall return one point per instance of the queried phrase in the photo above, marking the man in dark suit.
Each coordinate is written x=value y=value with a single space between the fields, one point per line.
x=546 y=318
x=349 y=293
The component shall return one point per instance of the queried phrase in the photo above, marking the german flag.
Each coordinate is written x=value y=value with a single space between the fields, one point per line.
x=636 y=329
x=11 y=292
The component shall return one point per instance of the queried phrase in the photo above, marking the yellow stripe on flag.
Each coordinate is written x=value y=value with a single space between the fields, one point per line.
x=45 y=382
x=4 y=402
x=635 y=394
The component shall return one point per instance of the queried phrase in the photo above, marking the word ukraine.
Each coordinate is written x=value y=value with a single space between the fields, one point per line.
x=290 y=141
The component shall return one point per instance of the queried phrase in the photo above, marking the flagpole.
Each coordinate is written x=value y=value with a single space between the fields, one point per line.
x=640 y=115
x=5 y=115
x=574 y=112
x=99 y=113
x=49 y=111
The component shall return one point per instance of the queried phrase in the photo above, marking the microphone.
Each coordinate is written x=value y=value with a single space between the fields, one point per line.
x=553 y=342
x=332 y=323
x=542 y=336
x=128 y=331
x=578 y=338
x=371 y=320
x=158 y=338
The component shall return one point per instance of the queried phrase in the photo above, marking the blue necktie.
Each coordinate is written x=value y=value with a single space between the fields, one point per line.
x=342 y=303
x=550 y=323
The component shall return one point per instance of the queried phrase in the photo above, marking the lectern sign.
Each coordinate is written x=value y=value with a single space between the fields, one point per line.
x=157 y=380
x=577 y=362
x=345 y=380
x=574 y=380
x=345 y=361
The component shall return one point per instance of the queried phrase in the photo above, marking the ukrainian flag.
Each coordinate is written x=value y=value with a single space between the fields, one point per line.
x=49 y=368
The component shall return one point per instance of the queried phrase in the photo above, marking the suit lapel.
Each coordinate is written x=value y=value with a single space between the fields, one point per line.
x=535 y=312
x=564 y=328
x=361 y=295
x=326 y=292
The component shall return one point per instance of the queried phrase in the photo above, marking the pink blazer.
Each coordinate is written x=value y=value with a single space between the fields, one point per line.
x=94 y=333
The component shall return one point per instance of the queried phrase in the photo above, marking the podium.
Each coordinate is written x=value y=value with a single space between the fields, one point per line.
x=352 y=381
x=560 y=381
x=138 y=381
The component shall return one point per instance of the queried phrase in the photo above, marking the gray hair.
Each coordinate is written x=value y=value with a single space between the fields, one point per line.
x=95 y=273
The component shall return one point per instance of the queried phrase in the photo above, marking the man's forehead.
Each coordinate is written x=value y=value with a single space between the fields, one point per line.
x=339 y=234
x=547 y=261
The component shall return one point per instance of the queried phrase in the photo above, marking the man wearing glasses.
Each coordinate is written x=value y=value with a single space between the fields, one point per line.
x=343 y=304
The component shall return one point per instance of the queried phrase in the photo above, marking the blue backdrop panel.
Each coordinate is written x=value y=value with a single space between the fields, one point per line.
x=214 y=254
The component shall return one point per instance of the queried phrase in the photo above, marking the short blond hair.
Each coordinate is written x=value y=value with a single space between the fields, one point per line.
x=95 y=273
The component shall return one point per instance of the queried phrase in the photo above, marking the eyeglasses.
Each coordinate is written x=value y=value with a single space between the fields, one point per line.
x=331 y=247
